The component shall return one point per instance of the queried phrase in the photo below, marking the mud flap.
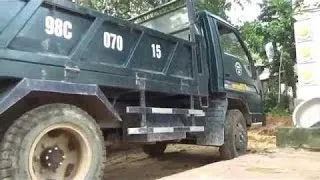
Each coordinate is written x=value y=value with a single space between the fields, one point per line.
x=214 y=123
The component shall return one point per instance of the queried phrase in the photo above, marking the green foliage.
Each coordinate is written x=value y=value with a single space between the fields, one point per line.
x=130 y=8
x=275 y=24
x=279 y=112
x=217 y=7
x=122 y=8
x=253 y=33
x=270 y=101
x=271 y=104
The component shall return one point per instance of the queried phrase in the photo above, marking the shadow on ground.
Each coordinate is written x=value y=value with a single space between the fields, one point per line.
x=178 y=158
x=135 y=165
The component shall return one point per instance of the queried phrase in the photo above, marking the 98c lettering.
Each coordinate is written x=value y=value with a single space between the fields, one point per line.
x=58 y=27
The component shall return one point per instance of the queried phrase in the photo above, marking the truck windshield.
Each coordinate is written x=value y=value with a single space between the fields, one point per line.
x=231 y=46
x=171 y=18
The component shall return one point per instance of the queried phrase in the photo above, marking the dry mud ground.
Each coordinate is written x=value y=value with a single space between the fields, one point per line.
x=263 y=161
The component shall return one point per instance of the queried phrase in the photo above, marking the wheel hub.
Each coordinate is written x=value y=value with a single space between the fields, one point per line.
x=52 y=158
x=60 y=152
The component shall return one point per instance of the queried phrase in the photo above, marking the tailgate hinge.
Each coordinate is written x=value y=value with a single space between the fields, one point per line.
x=71 y=72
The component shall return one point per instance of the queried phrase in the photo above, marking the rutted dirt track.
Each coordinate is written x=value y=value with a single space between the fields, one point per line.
x=262 y=160
x=136 y=165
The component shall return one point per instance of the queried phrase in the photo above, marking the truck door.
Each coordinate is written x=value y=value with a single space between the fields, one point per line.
x=239 y=72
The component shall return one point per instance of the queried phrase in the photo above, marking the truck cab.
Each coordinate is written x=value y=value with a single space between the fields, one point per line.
x=228 y=51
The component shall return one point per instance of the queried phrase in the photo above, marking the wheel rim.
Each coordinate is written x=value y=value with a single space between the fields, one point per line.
x=60 y=152
x=240 y=138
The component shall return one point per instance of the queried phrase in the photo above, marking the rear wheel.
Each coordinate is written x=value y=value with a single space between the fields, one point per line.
x=53 y=142
x=235 y=136
x=155 y=150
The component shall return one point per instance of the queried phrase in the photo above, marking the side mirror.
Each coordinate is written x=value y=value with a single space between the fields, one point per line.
x=270 y=51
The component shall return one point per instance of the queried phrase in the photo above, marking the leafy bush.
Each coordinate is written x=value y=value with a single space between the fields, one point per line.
x=271 y=104
x=279 y=112
x=270 y=101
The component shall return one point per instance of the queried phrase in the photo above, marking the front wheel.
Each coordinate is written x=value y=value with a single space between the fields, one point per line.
x=53 y=142
x=235 y=136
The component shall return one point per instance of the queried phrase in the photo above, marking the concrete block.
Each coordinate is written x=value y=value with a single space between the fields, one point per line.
x=307 y=138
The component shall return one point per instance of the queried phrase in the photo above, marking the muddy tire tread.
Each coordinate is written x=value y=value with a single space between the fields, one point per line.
x=227 y=151
x=14 y=136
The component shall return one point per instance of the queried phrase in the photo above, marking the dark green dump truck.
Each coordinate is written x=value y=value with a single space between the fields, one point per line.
x=73 y=80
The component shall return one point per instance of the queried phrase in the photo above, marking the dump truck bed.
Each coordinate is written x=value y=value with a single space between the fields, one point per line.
x=58 y=40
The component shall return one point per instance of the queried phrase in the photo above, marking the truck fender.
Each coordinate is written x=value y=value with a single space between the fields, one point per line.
x=236 y=101
x=28 y=86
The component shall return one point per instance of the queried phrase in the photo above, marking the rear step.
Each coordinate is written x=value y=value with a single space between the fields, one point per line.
x=155 y=130
x=159 y=130
x=155 y=110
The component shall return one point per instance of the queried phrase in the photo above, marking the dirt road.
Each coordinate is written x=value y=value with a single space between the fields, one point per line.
x=262 y=160
x=280 y=165
x=136 y=165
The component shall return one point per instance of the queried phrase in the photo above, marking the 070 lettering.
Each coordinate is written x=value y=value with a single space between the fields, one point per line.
x=112 y=41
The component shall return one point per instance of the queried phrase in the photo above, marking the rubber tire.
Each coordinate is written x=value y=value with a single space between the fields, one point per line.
x=228 y=150
x=155 y=150
x=18 y=139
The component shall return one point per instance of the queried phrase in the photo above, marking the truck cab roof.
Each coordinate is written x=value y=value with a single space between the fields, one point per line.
x=217 y=18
